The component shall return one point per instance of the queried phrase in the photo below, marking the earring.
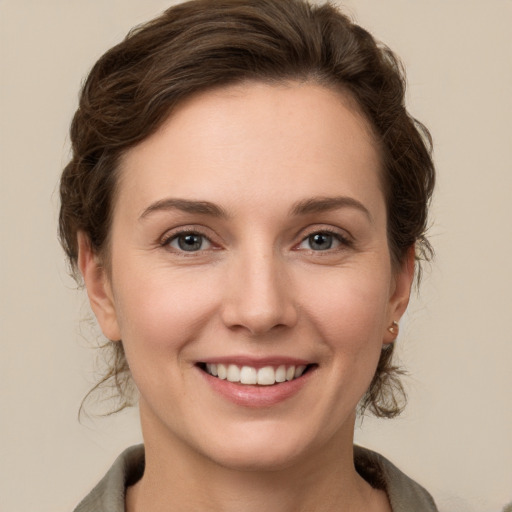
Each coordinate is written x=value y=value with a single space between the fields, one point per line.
x=393 y=328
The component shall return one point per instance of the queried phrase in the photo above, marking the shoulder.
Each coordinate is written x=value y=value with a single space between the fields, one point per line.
x=403 y=492
x=109 y=494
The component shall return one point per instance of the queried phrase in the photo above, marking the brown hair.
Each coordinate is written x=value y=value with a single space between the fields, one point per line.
x=202 y=44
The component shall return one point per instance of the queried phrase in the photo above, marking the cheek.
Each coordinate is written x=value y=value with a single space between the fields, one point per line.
x=350 y=310
x=160 y=313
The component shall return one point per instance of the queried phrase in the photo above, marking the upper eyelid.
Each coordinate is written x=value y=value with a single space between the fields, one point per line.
x=331 y=231
x=343 y=240
x=191 y=229
x=318 y=228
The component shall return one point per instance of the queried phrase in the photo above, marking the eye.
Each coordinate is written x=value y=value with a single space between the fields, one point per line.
x=189 y=242
x=322 y=241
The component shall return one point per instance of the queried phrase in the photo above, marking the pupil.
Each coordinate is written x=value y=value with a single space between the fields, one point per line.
x=190 y=242
x=320 y=241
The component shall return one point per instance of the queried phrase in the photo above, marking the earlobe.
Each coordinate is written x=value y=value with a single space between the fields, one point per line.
x=98 y=288
x=401 y=293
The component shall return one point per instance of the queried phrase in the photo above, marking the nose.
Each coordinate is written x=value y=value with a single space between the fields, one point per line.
x=258 y=295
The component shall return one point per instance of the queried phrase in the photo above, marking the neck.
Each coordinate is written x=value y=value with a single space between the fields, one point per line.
x=178 y=478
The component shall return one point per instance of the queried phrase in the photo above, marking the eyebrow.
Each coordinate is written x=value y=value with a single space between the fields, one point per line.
x=304 y=207
x=324 y=204
x=185 y=205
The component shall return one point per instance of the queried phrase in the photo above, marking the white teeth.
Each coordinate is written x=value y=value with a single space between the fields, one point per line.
x=248 y=375
x=299 y=371
x=222 y=371
x=212 y=369
x=281 y=374
x=266 y=376
x=233 y=373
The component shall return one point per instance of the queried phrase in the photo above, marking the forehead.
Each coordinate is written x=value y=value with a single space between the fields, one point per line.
x=255 y=137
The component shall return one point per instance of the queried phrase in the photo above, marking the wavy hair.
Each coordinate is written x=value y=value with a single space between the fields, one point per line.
x=202 y=44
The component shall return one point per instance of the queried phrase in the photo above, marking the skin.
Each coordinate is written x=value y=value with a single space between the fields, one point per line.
x=257 y=287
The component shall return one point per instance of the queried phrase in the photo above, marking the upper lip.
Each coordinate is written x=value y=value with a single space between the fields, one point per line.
x=256 y=362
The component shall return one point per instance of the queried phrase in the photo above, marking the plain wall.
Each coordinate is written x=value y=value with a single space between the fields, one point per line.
x=456 y=435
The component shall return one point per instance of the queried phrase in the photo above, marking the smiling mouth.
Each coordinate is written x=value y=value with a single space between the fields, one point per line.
x=250 y=376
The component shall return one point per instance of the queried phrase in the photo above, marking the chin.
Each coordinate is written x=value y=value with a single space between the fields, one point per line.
x=261 y=448
x=258 y=459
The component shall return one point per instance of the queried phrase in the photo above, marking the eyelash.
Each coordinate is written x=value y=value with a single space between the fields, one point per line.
x=344 y=241
x=175 y=235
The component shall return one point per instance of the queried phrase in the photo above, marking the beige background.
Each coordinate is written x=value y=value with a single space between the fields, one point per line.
x=456 y=436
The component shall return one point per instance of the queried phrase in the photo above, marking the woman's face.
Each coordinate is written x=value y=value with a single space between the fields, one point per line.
x=249 y=239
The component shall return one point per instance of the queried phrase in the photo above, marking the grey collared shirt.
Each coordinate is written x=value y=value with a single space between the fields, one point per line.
x=404 y=494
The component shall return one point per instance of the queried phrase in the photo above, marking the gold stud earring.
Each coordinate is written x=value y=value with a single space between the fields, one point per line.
x=393 y=328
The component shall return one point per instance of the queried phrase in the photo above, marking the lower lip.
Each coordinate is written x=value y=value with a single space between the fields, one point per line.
x=256 y=396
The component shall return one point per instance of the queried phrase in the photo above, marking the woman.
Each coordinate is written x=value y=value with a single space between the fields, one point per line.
x=245 y=203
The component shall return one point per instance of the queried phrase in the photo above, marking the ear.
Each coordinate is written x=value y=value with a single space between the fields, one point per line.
x=400 y=294
x=98 y=288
